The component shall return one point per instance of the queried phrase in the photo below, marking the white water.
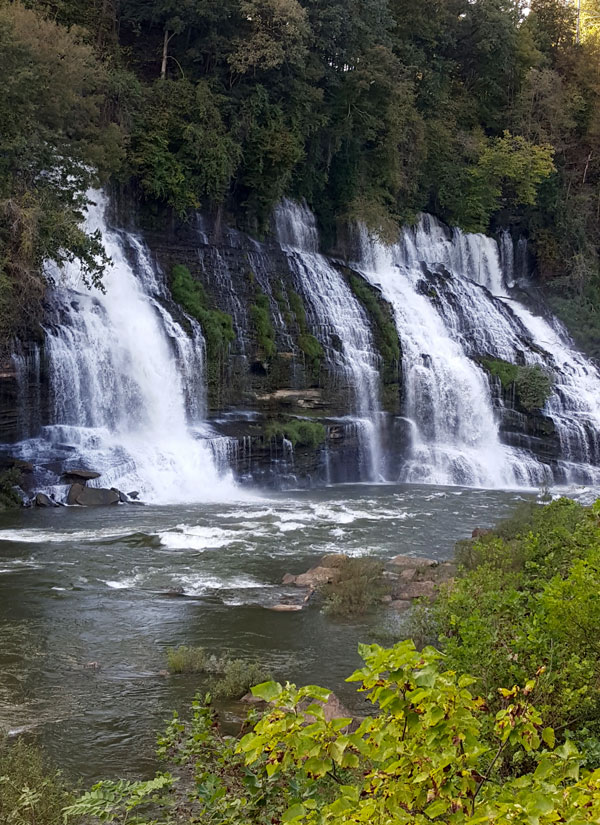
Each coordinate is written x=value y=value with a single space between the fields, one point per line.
x=127 y=381
x=338 y=315
x=445 y=322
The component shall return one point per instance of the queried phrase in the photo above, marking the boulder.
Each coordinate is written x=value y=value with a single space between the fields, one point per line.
x=412 y=561
x=317 y=576
x=400 y=605
x=80 y=474
x=42 y=500
x=74 y=491
x=134 y=495
x=95 y=496
x=418 y=590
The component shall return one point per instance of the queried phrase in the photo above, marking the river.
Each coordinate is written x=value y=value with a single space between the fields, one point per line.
x=81 y=586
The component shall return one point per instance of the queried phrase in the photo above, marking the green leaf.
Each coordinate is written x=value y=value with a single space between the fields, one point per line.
x=295 y=812
x=548 y=737
x=438 y=807
x=267 y=691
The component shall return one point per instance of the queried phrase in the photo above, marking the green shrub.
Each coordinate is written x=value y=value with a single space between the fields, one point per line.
x=429 y=751
x=261 y=319
x=30 y=792
x=184 y=659
x=534 y=387
x=532 y=384
x=506 y=372
x=301 y=432
x=526 y=600
x=9 y=479
x=236 y=679
x=230 y=678
x=359 y=587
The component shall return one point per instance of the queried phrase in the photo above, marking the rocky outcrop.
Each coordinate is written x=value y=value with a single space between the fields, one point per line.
x=416 y=577
x=92 y=496
x=76 y=474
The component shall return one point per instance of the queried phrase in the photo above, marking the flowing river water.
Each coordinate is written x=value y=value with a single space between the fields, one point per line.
x=82 y=586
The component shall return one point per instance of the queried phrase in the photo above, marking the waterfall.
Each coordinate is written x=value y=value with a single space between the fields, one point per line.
x=127 y=388
x=342 y=323
x=450 y=294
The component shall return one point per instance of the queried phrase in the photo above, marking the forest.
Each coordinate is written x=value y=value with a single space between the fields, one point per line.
x=483 y=113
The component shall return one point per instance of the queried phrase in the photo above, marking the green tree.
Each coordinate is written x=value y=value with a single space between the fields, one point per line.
x=54 y=144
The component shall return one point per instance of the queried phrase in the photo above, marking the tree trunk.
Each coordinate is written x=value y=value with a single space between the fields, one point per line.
x=165 y=54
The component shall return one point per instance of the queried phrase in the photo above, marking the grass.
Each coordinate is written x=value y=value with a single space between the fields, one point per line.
x=30 y=792
x=229 y=678
x=358 y=589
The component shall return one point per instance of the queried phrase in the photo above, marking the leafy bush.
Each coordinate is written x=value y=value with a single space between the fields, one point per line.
x=301 y=432
x=506 y=372
x=261 y=320
x=9 y=479
x=532 y=384
x=232 y=678
x=430 y=752
x=359 y=587
x=184 y=659
x=527 y=600
x=30 y=793
x=236 y=679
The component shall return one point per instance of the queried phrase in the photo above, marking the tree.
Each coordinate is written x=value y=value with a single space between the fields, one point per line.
x=54 y=144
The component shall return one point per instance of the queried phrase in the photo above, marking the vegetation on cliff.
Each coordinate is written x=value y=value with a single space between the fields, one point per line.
x=371 y=111
x=217 y=326
x=532 y=384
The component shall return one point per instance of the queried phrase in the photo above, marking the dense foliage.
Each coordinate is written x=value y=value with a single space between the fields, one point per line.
x=473 y=110
x=429 y=753
x=528 y=601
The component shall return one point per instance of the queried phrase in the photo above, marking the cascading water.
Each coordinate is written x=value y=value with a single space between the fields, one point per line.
x=449 y=293
x=340 y=318
x=127 y=381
